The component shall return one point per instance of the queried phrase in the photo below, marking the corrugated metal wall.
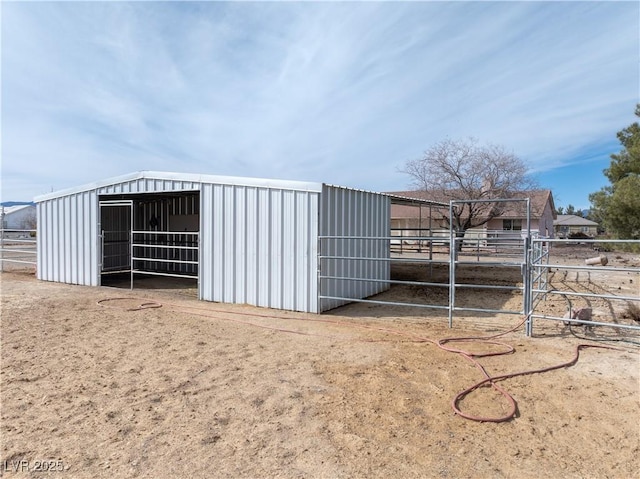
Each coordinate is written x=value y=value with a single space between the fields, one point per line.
x=346 y=212
x=68 y=239
x=259 y=246
x=68 y=229
x=148 y=185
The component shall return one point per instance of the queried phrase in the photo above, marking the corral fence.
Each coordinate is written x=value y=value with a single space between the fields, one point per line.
x=433 y=268
x=478 y=242
x=426 y=266
x=18 y=249
x=597 y=285
x=534 y=278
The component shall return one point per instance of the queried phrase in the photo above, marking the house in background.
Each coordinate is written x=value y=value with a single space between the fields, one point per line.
x=542 y=215
x=566 y=225
x=18 y=217
x=512 y=221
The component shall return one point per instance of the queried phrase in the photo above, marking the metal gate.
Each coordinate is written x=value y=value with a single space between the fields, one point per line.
x=116 y=224
x=582 y=287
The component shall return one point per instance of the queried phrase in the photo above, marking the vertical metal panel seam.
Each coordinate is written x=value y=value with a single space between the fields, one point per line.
x=73 y=230
x=245 y=240
x=283 y=270
x=295 y=245
x=269 y=256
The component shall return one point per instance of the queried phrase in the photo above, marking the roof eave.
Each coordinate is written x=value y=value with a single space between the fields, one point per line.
x=188 y=177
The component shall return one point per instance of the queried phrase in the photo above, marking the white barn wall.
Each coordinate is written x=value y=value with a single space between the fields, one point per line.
x=68 y=227
x=348 y=212
x=260 y=247
x=258 y=238
x=67 y=240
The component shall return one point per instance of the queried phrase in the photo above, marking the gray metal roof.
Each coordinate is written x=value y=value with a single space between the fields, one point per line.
x=573 y=220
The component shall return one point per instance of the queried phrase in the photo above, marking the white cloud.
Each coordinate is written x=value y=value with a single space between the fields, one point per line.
x=337 y=92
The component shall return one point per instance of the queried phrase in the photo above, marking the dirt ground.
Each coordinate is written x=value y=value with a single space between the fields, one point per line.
x=95 y=387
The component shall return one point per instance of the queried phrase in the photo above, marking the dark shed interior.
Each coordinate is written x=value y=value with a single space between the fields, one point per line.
x=149 y=234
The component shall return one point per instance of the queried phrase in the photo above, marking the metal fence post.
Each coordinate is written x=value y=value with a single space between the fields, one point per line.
x=528 y=281
x=2 y=248
x=452 y=265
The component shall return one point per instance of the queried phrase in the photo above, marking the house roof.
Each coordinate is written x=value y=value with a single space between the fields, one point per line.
x=573 y=220
x=538 y=201
x=399 y=200
x=9 y=210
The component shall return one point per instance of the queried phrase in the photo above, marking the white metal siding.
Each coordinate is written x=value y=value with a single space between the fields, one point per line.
x=259 y=246
x=68 y=239
x=346 y=212
x=258 y=241
x=68 y=229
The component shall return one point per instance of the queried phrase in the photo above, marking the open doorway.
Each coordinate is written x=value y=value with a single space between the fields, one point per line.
x=150 y=240
x=115 y=238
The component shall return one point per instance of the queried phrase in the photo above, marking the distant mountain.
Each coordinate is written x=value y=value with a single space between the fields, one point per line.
x=16 y=203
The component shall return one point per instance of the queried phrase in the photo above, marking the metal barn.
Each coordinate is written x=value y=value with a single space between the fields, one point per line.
x=245 y=240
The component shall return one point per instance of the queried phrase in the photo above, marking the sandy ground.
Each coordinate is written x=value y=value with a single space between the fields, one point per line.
x=197 y=390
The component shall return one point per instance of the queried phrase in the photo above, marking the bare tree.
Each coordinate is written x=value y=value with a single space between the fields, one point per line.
x=465 y=171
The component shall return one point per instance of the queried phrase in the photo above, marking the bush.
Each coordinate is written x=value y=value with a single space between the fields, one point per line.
x=579 y=235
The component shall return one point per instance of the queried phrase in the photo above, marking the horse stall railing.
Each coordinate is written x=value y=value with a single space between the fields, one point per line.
x=164 y=253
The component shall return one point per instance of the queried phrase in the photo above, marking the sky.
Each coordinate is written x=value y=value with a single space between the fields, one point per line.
x=336 y=92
